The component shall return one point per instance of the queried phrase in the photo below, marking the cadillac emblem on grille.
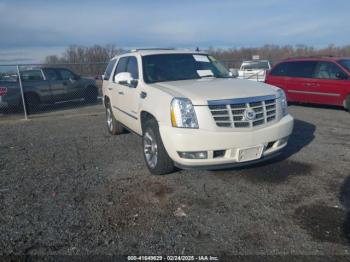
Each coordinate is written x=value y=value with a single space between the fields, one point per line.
x=249 y=114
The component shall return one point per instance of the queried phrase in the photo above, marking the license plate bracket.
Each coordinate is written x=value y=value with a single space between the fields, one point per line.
x=250 y=153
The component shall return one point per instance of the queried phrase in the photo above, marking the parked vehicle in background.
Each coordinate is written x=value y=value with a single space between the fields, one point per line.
x=191 y=113
x=323 y=80
x=46 y=85
x=254 y=70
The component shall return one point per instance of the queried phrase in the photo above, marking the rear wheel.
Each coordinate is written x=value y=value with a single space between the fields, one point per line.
x=91 y=95
x=347 y=103
x=113 y=126
x=156 y=157
x=32 y=102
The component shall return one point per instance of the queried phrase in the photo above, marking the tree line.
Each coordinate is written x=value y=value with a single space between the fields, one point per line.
x=92 y=60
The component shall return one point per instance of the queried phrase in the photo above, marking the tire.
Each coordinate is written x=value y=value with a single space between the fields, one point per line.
x=347 y=103
x=156 y=157
x=113 y=126
x=32 y=102
x=91 y=95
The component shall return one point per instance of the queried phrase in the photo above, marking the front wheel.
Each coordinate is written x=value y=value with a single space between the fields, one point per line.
x=157 y=159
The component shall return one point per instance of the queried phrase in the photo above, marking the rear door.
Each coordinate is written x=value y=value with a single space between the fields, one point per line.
x=58 y=90
x=35 y=81
x=328 y=85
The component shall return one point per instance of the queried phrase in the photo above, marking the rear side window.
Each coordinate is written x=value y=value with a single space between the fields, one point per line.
x=280 y=70
x=132 y=67
x=303 y=69
x=109 y=69
x=32 y=75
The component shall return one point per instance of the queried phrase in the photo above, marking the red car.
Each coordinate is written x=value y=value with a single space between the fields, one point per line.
x=314 y=80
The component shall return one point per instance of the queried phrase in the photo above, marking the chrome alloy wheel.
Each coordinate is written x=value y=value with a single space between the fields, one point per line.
x=150 y=148
x=109 y=118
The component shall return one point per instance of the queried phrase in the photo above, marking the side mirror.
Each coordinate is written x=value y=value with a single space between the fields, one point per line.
x=341 y=76
x=75 y=78
x=234 y=72
x=126 y=79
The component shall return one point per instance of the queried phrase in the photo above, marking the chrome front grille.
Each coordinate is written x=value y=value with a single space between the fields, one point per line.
x=243 y=112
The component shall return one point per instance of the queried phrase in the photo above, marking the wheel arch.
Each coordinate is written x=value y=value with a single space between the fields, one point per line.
x=144 y=117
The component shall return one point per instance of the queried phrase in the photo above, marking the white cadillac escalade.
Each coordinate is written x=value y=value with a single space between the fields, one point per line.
x=191 y=113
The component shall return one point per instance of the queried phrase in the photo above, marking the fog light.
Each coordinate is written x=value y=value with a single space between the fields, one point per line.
x=194 y=155
x=282 y=141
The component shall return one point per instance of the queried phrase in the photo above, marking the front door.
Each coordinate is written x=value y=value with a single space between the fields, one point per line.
x=74 y=88
x=130 y=95
x=328 y=85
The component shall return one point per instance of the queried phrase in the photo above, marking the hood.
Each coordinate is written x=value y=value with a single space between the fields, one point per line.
x=199 y=91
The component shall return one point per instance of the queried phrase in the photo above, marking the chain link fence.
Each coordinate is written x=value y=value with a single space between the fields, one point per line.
x=30 y=90
x=34 y=89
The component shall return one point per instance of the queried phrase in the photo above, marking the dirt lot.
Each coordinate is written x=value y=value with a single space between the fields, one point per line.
x=67 y=187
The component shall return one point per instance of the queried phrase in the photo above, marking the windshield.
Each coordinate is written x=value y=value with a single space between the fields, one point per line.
x=173 y=67
x=255 y=65
x=345 y=63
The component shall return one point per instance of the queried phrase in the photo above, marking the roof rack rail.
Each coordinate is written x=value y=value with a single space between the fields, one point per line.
x=310 y=56
x=156 y=48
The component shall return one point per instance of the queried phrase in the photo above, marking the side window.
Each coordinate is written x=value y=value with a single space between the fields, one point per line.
x=121 y=67
x=66 y=74
x=280 y=70
x=328 y=70
x=132 y=67
x=51 y=74
x=303 y=69
x=109 y=69
x=32 y=75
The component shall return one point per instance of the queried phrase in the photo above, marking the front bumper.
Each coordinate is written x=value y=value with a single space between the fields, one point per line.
x=189 y=140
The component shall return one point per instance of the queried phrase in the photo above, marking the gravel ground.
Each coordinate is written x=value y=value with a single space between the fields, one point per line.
x=68 y=187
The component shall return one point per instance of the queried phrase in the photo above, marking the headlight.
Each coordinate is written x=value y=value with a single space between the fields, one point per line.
x=183 y=114
x=283 y=101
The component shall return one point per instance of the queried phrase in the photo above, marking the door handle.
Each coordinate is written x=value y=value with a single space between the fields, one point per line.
x=64 y=83
x=143 y=95
x=121 y=93
x=110 y=88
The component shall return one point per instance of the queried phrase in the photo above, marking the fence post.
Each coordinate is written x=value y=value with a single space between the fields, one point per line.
x=22 y=93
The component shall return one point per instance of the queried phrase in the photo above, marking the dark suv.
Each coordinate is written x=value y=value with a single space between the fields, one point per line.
x=323 y=80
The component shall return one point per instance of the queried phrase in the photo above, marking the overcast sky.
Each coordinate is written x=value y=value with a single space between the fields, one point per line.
x=30 y=30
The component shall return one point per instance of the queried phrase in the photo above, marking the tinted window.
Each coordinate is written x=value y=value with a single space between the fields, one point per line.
x=66 y=74
x=345 y=63
x=328 y=70
x=121 y=67
x=304 y=69
x=280 y=70
x=109 y=69
x=32 y=75
x=132 y=67
x=51 y=74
